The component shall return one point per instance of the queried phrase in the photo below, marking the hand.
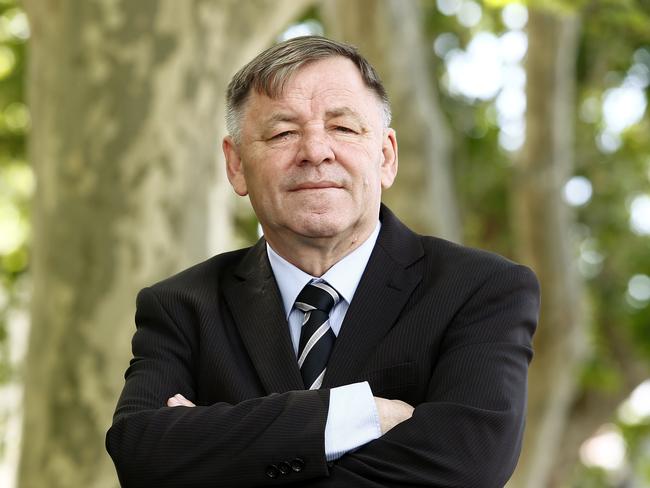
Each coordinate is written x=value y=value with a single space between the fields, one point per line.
x=179 y=400
x=392 y=412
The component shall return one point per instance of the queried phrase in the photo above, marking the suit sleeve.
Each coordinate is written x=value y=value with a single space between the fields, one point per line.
x=469 y=430
x=215 y=445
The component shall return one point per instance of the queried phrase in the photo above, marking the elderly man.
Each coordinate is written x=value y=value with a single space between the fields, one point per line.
x=341 y=350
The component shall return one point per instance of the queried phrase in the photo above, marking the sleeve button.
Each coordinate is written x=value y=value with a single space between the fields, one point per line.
x=284 y=467
x=297 y=464
x=272 y=471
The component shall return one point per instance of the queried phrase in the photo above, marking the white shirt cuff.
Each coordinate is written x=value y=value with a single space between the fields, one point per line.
x=352 y=419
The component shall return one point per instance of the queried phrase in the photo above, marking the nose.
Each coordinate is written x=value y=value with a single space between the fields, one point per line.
x=315 y=148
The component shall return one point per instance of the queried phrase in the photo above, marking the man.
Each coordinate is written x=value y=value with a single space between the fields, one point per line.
x=342 y=350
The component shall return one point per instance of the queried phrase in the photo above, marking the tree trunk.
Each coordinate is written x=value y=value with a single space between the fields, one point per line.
x=543 y=224
x=389 y=34
x=126 y=101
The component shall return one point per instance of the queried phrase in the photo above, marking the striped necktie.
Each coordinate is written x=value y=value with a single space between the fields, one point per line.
x=316 y=336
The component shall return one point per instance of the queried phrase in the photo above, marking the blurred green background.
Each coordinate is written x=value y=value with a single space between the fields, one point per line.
x=523 y=129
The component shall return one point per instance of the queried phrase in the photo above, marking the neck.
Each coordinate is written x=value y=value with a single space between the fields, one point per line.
x=315 y=256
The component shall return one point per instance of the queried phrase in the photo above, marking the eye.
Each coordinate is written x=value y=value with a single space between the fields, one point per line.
x=282 y=135
x=344 y=129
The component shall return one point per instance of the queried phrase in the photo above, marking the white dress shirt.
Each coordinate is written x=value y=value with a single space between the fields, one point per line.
x=352 y=419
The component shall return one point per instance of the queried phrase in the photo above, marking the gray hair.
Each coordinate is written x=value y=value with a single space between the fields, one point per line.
x=270 y=70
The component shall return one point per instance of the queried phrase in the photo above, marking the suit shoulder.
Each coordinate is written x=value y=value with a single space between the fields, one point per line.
x=458 y=258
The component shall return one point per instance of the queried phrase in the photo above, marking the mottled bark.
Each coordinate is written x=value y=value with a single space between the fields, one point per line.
x=389 y=34
x=543 y=224
x=126 y=101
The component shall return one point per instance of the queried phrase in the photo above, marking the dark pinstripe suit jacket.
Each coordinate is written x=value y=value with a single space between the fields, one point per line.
x=443 y=327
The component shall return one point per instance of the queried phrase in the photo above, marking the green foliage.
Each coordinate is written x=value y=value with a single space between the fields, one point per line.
x=591 y=477
x=16 y=178
x=482 y=169
x=246 y=226
x=615 y=35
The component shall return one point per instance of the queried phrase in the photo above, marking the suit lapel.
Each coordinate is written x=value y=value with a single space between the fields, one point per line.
x=386 y=285
x=256 y=306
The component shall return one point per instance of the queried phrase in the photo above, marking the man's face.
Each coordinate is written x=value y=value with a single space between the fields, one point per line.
x=314 y=160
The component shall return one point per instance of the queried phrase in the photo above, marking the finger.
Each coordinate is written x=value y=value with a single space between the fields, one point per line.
x=184 y=400
x=180 y=401
x=173 y=402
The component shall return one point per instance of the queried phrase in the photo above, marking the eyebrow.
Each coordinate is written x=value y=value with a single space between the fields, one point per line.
x=330 y=114
x=281 y=117
x=276 y=118
x=344 y=112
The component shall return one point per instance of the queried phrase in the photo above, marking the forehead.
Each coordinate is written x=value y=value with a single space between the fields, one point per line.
x=318 y=86
x=335 y=71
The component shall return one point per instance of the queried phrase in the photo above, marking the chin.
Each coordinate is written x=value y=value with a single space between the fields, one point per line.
x=319 y=231
x=320 y=225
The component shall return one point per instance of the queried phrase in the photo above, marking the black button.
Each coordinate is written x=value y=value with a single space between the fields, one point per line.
x=297 y=464
x=272 y=471
x=284 y=467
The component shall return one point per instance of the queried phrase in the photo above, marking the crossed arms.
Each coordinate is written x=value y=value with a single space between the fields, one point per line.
x=466 y=431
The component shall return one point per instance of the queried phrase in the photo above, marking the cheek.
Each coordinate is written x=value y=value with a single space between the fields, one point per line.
x=369 y=188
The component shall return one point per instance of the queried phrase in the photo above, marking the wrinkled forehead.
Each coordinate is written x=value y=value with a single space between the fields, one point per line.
x=334 y=81
x=326 y=91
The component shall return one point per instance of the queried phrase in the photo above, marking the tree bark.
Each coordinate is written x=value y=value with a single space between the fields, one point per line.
x=389 y=34
x=127 y=107
x=543 y=225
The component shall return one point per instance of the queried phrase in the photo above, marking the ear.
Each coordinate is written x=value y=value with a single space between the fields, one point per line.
x=234 y=168
x=389 y=164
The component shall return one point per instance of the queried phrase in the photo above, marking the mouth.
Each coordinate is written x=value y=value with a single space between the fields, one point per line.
x=316 y=185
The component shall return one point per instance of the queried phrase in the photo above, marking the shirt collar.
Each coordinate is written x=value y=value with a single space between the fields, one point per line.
x=344 y=276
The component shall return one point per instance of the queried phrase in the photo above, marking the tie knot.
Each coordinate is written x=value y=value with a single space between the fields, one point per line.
x=317 y=296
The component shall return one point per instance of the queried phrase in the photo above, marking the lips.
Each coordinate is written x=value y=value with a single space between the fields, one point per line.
x=315 y=185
